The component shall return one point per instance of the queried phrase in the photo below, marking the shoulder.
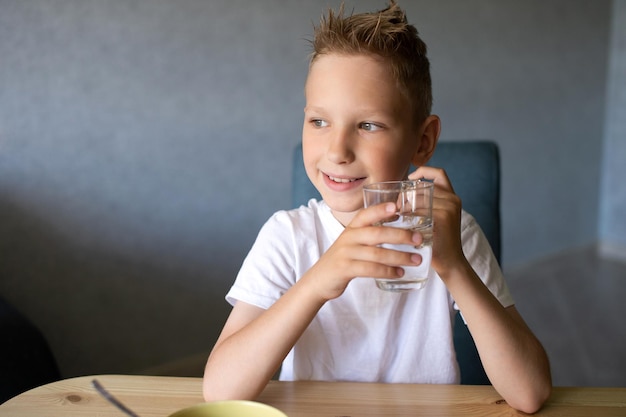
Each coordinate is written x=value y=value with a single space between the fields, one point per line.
x=295 y=227
x=314 y=212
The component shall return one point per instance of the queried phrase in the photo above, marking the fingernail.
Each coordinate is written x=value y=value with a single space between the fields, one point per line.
x=416 y=258
x=417 y=237
x=390 y=208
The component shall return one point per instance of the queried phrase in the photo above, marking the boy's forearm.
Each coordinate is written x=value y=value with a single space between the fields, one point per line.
x=240 y=366
x=513 y=358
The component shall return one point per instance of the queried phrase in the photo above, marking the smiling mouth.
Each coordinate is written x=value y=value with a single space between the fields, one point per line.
x=343 y=180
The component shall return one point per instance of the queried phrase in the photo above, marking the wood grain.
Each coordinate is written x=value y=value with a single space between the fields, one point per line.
x=151 y=396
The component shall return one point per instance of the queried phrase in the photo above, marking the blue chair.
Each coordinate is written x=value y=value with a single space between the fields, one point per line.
x=474 y=170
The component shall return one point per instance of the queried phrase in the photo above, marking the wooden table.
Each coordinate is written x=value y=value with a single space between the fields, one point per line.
x=151 y=396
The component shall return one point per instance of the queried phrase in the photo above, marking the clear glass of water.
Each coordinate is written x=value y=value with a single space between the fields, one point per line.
x=414 y=202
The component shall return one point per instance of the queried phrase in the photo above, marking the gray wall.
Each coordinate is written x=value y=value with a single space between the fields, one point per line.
x=613 y=207
x=143 y=143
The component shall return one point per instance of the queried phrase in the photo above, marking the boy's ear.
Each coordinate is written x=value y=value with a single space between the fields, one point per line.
x=429 y=131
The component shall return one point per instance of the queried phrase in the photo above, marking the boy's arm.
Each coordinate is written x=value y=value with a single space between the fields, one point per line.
x=513 y=358
x=254 y=341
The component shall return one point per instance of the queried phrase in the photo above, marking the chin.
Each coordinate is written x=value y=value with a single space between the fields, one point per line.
x=343 y=207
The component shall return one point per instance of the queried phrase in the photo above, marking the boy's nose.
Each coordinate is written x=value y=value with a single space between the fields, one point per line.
x=340 y=148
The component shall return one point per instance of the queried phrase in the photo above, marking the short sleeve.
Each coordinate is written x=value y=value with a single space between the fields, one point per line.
x=267 y=271
x=480 y=256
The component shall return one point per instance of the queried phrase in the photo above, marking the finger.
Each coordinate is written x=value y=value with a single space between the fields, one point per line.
x=399 y=255
x=389 y=264
x=373 y=214
x=437 y=175
x=379 y=235
x=378 y=270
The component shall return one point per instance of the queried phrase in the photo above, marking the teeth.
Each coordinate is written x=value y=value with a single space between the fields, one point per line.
x=342 y=180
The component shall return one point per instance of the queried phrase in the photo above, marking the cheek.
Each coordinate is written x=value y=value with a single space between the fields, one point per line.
x=310 y=158
x=392 y=165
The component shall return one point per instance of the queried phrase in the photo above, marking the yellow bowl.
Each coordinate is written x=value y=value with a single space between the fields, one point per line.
x=230 y=408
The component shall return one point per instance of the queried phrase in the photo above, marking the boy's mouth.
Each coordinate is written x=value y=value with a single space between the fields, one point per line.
x=342 y=180
x=342 y=183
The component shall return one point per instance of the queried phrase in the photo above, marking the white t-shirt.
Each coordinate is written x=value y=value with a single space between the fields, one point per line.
x=366 y=334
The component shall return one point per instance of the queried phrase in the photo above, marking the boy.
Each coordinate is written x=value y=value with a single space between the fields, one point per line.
x=296 y=299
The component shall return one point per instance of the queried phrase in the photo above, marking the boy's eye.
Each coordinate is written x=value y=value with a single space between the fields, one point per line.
x=370 y=127
x=319 y=123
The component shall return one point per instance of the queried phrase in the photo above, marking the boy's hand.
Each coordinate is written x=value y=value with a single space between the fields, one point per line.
x=447 y=248
x=356 y=253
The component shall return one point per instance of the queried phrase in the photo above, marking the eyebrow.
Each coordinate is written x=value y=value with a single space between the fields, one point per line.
x=377 y=112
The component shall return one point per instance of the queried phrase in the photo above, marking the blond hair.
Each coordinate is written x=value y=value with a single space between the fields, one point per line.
x=386 y=34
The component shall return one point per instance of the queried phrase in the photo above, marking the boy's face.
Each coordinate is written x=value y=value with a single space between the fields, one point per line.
x=358 y=129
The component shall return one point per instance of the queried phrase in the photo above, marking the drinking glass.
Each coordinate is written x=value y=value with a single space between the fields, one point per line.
x=414 y=202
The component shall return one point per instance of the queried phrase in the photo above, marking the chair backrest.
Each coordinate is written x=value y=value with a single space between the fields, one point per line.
x=474 y=170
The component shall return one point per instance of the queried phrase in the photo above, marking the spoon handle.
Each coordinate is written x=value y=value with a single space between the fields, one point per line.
x=110 y=398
